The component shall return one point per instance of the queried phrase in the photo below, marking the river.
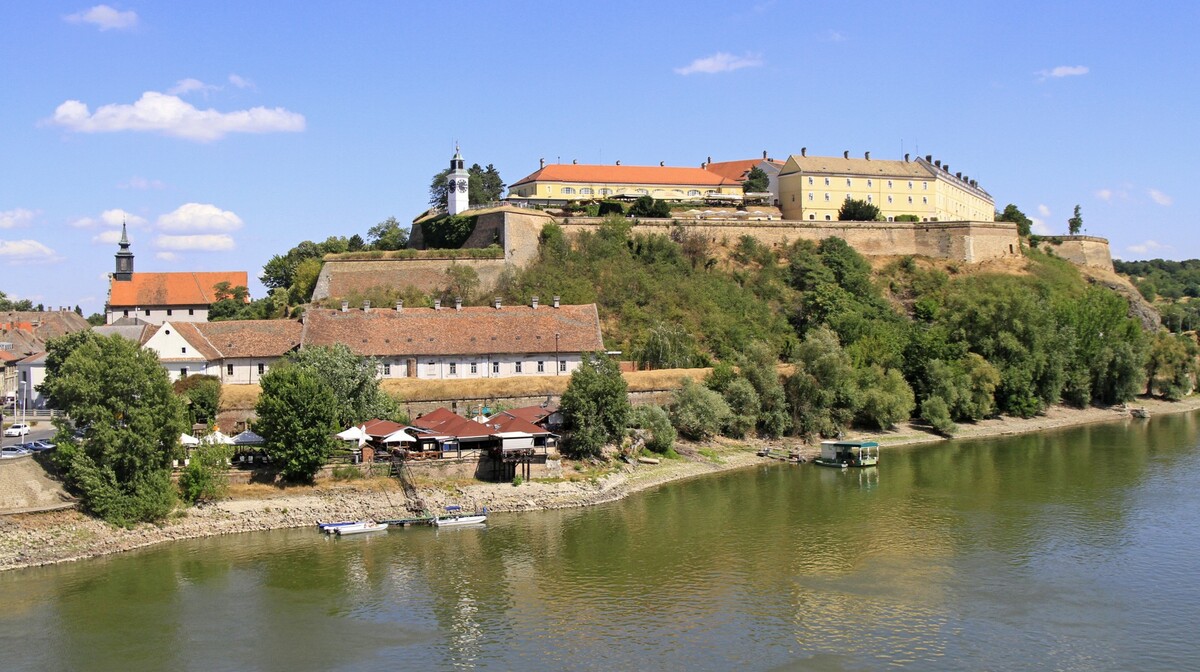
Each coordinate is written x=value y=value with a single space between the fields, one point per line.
x=1072 y=550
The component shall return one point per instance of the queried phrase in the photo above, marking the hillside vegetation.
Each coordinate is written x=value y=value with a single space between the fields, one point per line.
x=943 y=342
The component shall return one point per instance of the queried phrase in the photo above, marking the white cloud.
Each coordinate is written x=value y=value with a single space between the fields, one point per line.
x=166 y=256
x=105 y=18
x=1063 y=71
x=240 y=82
x=169 y=115
x=109 y=237
x=25 y=251
x=202 y=243
x=16 y=217
x=1159 y=197
x=835 y=36
x=142 y=183
x=1039 y=227
x=720 y=62
x=114 y=217
x=199 y=217
x=1104 y=194
x=1146 y=247
x=1043 y=210
x=188 y=85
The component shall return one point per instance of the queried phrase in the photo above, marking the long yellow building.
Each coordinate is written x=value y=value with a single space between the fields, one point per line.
x=813 y=188
x=562 y=183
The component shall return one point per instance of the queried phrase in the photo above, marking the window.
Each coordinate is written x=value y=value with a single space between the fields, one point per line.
x=847 y=197
x=868 y=198
x=889 y=184
x=694 y=192
x=454 y=368
x=910 y=200
x=474 y=367
x=810 y=195
x=183 y=350
x=828 y=218
x=925 y=185
x=810 y=180
x=147 y=311
x=191 y=311
x=495 y=367
x=827 y=181
x=889 y=198
x=431 y=368
x=848 y=182
x=387 y=369
x=262 y=368
x=168 y=311
x=517 y=367
x=605 y=192
x=183 y=372
x=562 y=366
x=125 y=313
x=910 y=184
x=586 y=190
x=567 y=190
x=541 y=367
x=870 y=183
x=827 y=197
x=641 y=191
x=811 y=216
x=925 y=200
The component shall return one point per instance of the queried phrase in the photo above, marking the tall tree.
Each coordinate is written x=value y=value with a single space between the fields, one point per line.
x=352 y=380
x=854 y=210
x=297 y=416
x=484 y=185
x=595 y=405
x=387 y=235
x=1075 y=223
x=756 y=181
x=1013 y=214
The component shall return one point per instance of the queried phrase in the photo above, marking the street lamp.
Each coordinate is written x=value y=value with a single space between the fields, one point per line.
x=23 y=404
x=557 y=366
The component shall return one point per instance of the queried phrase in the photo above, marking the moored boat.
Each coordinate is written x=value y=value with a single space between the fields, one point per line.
x=360 y=528
x=460 y=520
x=328 y=528
x=843 y=454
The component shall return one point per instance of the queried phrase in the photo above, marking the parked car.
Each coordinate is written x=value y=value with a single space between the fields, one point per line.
x=17 y=429
x=38 y=445
x=12 y=451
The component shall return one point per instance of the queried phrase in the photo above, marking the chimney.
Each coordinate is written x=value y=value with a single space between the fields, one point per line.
x=618 y=162
x=868 y=155
x=803 y=151
x=574 y=162
x=661 y=164
x=399 y=305
x=929 y=158
x=946 y=167
x=906 y=158
x=709 y=160
x=366 y=305
x=846 y=154
x=458 y=303
x=764 y=155
x=345 y=306
x=958 y=175
x=437 y=304
x=496 y=303
x=937 y=162
x=533 y=302
x=556 y=301
x=541 y=163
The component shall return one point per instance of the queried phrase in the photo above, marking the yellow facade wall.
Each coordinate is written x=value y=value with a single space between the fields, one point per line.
x=577 y=191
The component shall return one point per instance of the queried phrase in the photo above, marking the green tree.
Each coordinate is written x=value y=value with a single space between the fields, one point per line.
x=854 y=210
x=352 y=380
x=7 y=304
x=697 y=412
x=756 y=181
x=304 y=280
x=822 y=389
x=1075 y=223
x=484 y=185
x=657 y=424
x=387 y=235
x=648 y=206
x=297 y=417
x=1171 y=365
x=121 y=396
x=205 y=477
x=883 y=398
x=462 y=282
x=595 y=406
x=760 y=367
x=1013 y=214
x=202 y=394
x=744 y=408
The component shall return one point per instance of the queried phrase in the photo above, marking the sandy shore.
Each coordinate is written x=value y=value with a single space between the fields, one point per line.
x=61 y=536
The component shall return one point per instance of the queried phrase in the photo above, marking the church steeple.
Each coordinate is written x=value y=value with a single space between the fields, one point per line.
x=124 y=258
x=456 y=184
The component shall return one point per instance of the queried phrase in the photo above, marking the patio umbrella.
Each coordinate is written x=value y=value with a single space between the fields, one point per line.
x=188 y=440
x=248 y=438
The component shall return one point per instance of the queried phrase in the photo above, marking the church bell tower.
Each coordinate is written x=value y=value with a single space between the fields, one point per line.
x=124 y=258
x=456 y=185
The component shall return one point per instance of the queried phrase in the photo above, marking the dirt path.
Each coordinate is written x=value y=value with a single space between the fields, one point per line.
x=60 y=536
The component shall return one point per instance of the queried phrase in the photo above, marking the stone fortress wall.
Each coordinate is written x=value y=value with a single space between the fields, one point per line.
x=517 y=231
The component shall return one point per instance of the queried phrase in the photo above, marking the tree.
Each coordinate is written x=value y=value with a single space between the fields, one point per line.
x=756 y=181
x=656 y=422
x=1171 y=365
x=595 y=405
x=121 y=396
x=462 y=282
x=352 y=381
x=744 y=408
x=7 y=304
x=883 y=398
x=698 y=412
x=1075 y=223
x=854 y=210
x=484 y=185
x=822 y=389
x=203 y=395
x=1013 y=214
x=204 y=478
x=386 y=235
x=648 y=206
x=437 y=188
x=297 y=416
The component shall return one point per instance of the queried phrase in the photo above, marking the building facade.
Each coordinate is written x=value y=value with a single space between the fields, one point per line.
x=813 y=188
x=560 y=183
x=739 y=171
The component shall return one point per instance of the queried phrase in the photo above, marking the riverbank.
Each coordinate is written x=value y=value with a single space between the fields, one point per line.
x=45 y=538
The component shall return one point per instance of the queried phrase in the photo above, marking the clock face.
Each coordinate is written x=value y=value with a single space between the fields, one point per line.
x=462 y=185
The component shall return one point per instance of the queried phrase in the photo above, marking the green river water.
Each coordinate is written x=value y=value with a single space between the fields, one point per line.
x=1071 y=550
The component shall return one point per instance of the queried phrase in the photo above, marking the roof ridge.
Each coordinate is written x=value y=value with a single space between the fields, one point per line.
x=207 y=340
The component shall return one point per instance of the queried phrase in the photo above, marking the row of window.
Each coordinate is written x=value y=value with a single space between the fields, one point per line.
x=870 y=198
x=587 y=191
x=870 y=183
x=191 y=311
x=432 y=368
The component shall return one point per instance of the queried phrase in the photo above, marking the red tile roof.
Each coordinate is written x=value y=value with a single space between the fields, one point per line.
x=170 y=289
x=508 y=423
x=530 y=414
x=736 y=170
x=378 y=429
x=446 y=422
x=470 y=331
x=592 y=174
x=250 y=338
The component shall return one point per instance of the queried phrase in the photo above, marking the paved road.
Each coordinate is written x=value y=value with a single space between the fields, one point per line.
x=42 y=430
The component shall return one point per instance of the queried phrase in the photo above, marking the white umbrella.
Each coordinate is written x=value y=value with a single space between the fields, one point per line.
x=353 y=434
x=217 y=437
x=400 y=436
x=248 y=438
x=188 y=440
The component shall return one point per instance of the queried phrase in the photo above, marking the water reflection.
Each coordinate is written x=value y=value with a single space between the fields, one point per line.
x=1070 y=550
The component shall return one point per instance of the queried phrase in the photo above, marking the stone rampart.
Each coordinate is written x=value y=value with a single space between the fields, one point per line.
x=1082 y=250
x=345 y=278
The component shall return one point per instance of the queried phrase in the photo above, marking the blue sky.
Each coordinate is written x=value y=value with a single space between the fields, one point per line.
x=225 y=133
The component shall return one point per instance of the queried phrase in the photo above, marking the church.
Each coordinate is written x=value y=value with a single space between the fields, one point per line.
x=155 y=298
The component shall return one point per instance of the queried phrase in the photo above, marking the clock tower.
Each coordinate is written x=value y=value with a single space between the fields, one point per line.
x=124 y=258
x=456 y=185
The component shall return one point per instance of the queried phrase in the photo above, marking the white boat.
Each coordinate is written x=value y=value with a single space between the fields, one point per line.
x=460 y=520
x=360 y=528
x=328 y=528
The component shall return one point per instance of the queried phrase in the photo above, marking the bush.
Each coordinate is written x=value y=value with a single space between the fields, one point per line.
x=204 y=478
x=450 y=231
x=609 y=208
x=595 y=406
x=884 y=398
x=698 y=412
x=655 y=420
x=906 y=218
x=744 y=407
x=648 y=206
x=346 y=472
x=936 y=413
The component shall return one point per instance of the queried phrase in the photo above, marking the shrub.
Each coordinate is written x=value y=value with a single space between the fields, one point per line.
x=609 y=208
x=698 y=412
x=744 y=407
x=655 y=420
x=204 y=479
x=450 y=231
x=936 y=413
x=346 y=472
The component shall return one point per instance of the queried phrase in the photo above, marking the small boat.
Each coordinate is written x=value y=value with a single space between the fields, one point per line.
x=406 y=522
x=360 y=528
x=460 y=520
x=843 y=454
x=328 y=528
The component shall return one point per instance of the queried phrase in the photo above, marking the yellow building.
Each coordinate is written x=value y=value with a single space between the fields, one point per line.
x=813 y=188
x=560 y=183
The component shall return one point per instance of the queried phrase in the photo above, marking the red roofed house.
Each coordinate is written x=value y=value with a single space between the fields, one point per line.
x=158 y=297
x=559 y=183
x=462 y=342
x=739 y=171
x=236 y=351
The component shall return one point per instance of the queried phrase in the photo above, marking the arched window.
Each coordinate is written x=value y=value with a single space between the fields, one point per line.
x=694 y=192
x=567 y=190
x=586 y=190
x=812 y=216
x=641 y=191
x=828 y=218
x=605 y=192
